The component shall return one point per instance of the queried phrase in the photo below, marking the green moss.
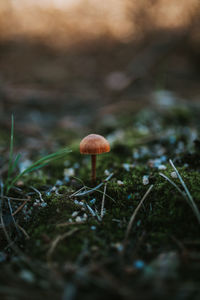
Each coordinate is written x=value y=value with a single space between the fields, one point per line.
x=179 y=115
x=37 y=179
x=161 y=217
x=164 y=217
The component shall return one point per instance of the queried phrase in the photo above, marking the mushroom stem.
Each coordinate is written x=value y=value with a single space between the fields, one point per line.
x=93 y=160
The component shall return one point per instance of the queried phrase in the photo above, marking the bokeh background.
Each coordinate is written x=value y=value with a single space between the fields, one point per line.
x=75 y=64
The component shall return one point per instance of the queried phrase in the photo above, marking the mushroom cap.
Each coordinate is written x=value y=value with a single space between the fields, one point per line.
x=94 y=144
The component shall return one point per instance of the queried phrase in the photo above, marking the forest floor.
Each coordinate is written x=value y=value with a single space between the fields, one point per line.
x=142 y=242
x=135 y=233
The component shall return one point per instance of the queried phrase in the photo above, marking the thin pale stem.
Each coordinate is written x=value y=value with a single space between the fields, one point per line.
x=103 y=201
x=93 y=160
x=135 y=213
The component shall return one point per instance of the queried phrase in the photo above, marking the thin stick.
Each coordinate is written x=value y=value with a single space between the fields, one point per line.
x=24 y=232
x=17 y=199
x=38 y=192
x=57 y=240
x=69 y=224
x=90 y=210
x=103 y=200
x=74 y=194
x=12 y=216
x=97 y=214
x=181 y=180
x=91 y=190
x=19 y=208
x=11 y=243
x=174 y=184
x=130 y=224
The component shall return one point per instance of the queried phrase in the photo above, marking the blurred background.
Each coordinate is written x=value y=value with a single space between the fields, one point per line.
x=75 y=64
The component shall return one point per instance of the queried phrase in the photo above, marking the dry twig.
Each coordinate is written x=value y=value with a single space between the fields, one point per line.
x=58 y=239
x=23 y=231
x=19 y=208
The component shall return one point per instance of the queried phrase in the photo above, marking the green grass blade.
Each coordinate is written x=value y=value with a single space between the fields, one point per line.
x=42 y=162
x=35 y=168
x=15 y=162
x=46 y=160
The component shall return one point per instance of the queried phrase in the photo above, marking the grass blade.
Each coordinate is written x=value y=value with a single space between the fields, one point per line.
x=42 y=162
x=15 y=162
x=174 y=184
x=193 y=204
x=130 y=224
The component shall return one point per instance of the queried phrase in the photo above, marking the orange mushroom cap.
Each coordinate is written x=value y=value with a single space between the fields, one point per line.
x=94 y=144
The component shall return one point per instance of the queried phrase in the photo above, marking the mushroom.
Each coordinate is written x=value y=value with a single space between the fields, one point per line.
x=94 y=144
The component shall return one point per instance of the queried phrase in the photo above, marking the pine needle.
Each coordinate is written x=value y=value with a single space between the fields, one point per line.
x=103 y=201
x=190 y=198
x=130 y=224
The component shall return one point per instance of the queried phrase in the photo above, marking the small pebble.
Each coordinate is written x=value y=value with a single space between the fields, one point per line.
x=162 y=167
x=163 y=158
x=127 y=167
x=136 y=155
x=69 y=172
x=119 y=247
x=74 y=214
x=59 y=182
x=172 y=139
x=93 y=201
x=85 y=216
x=76 y=165
x=119 y=182
x=78 y=203
x=66 y=179
x=138 y=264
x=106 y=172
x=20 y=183
x=145 y=179
x=27 y=276
x=78 y=219
x=174 y=175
